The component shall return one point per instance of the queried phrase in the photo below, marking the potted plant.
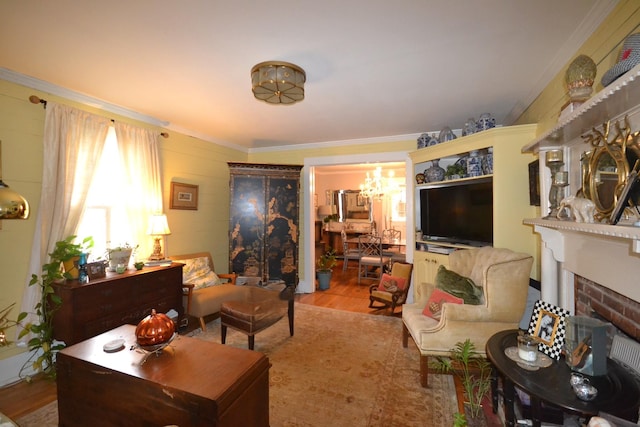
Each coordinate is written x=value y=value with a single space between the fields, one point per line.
x=455 y=171
x=42 y=344
x=120 y=255
x=324 y=268
x=474 y=372
x=68 y=252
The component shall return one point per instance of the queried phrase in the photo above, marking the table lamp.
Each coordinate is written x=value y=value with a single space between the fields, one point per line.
x=158 y=227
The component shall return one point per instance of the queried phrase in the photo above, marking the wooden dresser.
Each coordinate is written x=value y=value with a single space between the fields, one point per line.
x=190 y=383
x=117 y=299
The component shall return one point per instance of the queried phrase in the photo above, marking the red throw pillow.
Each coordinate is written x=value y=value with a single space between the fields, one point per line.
x=434 y=305
x=390 y=283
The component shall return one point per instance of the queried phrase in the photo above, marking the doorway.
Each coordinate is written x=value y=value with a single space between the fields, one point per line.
x=309 y=182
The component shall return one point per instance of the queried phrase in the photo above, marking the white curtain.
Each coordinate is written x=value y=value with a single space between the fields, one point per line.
x=72 y=144
x=139 y=153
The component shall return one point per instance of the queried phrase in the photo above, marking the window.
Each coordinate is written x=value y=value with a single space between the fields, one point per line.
x=105 y=218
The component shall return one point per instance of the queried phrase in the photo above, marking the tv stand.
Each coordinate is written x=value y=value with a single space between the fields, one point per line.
x=510 y=196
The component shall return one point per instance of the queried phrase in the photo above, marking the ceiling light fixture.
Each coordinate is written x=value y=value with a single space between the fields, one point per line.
x=12 y=204
x=278 y=82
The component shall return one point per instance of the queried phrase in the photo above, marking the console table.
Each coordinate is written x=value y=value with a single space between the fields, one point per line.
x=190 y=383
x=618 y=392
x=102 y=304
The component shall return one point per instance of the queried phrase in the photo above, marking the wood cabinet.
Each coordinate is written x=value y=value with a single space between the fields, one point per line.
x=103 y=304
x=510 y=181
x=264 y=220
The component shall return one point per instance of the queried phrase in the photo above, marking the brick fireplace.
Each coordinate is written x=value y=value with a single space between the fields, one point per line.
x=616 y=308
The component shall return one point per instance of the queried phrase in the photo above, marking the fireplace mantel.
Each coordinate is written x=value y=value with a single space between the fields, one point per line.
x=606 y=254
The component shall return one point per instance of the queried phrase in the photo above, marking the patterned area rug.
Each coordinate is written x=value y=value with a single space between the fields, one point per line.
x=339 y=369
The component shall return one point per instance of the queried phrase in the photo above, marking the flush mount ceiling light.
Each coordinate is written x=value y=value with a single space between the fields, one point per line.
x=278 y=82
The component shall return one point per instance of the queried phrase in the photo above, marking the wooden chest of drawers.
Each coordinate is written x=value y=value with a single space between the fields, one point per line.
x=103 y=304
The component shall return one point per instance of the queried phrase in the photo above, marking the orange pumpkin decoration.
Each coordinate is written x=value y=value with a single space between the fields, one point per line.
x=156 y=328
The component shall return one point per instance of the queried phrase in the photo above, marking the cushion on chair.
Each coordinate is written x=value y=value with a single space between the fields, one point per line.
x=198 y=272
x=459 y=286
x=434 y=305
x=390 y=283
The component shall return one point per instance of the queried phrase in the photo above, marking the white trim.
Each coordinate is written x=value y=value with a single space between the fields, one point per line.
x=340 y=143
x=307 y=284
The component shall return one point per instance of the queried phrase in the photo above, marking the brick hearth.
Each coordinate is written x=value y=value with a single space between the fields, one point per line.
x=616 y=308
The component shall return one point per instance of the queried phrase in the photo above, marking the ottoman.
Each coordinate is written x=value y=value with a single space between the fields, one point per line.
x=259 y=308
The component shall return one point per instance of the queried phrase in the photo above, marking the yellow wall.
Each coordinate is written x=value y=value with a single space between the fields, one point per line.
x=603 y=46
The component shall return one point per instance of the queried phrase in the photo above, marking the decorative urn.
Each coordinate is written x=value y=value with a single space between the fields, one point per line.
x=579 y=78
x=156 y=328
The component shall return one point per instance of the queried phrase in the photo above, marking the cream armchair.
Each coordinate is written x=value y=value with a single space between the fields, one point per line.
x=504 y=277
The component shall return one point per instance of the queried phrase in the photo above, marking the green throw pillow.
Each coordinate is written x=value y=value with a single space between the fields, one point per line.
x=459 y=286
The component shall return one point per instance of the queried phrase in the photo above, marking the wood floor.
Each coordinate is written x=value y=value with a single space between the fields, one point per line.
x=344 y=293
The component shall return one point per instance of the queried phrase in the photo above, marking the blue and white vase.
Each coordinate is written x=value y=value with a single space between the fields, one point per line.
x=423 y=140
x=469 y=127
x=435 y=173
x=485 y=121
x=474 y=164
x=487 y=161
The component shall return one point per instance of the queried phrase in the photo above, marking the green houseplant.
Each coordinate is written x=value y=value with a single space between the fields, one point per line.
x=324 y=265
x=42 y=344
x=474 y=372
x=68 y=251
x=120 y=255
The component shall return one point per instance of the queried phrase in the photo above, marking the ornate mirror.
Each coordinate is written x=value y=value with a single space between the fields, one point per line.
x=606 y=167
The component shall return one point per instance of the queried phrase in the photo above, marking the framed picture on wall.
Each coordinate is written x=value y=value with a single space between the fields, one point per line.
x=534 y=183
x=183 y=196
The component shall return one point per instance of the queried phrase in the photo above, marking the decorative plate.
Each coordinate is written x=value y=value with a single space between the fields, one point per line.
x=542 y=361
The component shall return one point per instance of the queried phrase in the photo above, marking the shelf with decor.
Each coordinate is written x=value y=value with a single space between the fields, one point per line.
x=508 y=184
x=598 y=129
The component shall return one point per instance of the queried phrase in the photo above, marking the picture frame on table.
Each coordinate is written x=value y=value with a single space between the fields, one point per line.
x=183 y=196
x=548 y=325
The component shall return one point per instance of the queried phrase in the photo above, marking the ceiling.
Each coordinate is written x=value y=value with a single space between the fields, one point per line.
x=375 y=68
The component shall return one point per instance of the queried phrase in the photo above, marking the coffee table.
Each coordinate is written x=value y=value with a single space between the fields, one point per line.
x=618 y=392
x=190 y=383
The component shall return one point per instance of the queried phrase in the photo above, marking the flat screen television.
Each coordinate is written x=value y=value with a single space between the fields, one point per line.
x=458 y=212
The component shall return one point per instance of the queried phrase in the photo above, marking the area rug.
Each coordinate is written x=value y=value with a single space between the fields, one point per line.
x=339 y=369
x=345 y=369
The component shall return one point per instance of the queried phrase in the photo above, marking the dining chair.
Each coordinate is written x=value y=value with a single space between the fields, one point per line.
x=372 y=260
x=348 y=253
x=391 y=245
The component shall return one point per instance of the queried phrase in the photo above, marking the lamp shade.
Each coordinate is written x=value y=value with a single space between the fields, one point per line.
x=12 y=204
x=278 y=82
x=325 y=210
x=158 y=225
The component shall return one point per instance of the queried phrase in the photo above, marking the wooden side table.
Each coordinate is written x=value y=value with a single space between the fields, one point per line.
x=618 y=392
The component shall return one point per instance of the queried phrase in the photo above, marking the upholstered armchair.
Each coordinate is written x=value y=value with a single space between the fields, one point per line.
x=503 y=276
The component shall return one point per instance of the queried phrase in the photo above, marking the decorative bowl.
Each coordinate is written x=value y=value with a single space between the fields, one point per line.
x=585 y=391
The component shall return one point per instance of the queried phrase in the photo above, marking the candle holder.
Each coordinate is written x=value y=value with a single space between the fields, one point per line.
x=559 y=180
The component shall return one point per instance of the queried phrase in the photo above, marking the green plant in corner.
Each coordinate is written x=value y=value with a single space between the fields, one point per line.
x=327 y=261
x=42 y=344
x=474 y=372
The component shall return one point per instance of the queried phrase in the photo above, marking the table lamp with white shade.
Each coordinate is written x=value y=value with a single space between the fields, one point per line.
x=158 y=227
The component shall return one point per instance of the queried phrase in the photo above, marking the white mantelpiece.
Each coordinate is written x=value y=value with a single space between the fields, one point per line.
x=606 y=254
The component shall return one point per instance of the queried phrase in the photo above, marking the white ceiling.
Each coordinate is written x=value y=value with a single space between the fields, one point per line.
x=375 y=68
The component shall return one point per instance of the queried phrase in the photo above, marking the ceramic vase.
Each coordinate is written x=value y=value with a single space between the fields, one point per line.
x=486 y=121
x=474 y=164
x=487 y=162
x=434 y=173
x=423 y=140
